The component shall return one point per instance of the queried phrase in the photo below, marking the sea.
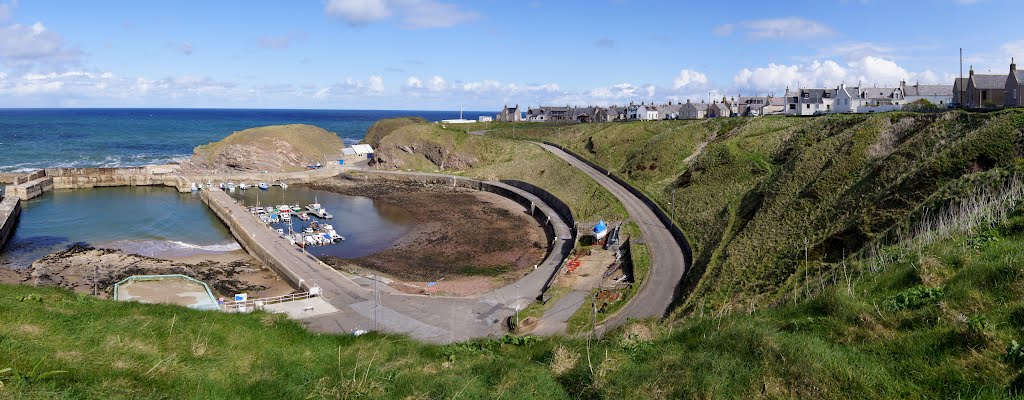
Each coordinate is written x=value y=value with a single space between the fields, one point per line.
x=157 y=221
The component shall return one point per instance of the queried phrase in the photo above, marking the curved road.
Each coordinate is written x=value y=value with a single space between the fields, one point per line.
x=667 y=265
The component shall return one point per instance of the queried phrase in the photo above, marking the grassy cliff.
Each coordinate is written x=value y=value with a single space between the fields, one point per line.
x=768 y=201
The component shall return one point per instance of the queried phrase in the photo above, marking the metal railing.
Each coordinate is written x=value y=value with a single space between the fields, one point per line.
x=258 y=304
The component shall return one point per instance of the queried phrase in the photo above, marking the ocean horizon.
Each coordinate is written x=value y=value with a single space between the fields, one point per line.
x=34 y=138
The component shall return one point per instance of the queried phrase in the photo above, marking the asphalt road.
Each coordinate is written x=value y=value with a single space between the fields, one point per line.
x=667 y=265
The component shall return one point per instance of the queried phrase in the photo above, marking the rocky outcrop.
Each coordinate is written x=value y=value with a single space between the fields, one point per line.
x=279 y=148
x=80 y=267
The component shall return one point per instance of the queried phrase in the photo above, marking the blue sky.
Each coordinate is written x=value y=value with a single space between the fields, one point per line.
x=440 y=55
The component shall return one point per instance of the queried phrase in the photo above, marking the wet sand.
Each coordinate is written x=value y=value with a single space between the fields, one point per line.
x=470 y=242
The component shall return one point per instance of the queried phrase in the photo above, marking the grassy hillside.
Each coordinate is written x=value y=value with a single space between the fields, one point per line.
x=430 y=148
x=766 y=201
x=922 y=319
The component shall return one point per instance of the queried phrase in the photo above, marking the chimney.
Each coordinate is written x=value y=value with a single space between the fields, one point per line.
x=1013 y=66
x=971 y=72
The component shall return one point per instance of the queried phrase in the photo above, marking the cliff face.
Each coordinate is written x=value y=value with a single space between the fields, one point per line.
x=277 y=148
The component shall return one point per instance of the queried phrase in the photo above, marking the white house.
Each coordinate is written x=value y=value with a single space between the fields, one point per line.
x=939 y=95
x=847 y=99
x=809 y=101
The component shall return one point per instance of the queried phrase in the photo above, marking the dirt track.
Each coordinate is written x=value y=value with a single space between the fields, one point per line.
x=458 y=233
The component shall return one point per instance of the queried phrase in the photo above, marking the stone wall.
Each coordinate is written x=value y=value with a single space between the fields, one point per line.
x=10 y=210
x=9 y=178
x=27 y=191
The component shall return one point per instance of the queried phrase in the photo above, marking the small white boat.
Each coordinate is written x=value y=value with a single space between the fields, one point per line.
x=284 y=208
x=335 y=237
x=286 y=217
x=195 y=188
x=304 y=216
x=283 y=185
x=222 y=186
x=263 y=186
x=243 y=186
x=308 y=230
x=231 y=187
x=281 y=231
x=326 y=215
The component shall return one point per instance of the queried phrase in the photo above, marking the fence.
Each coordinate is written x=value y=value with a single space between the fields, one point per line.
x=258 y=304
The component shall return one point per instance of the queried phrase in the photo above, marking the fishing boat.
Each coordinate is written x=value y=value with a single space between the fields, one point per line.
x=195 y=188
x=304 y=216
x=284 y=208
x=263 y=186
x=231 y=187
x=284 y=185
x=243 y=186
x=325 y=215
x=286 y=217
x=274 y=218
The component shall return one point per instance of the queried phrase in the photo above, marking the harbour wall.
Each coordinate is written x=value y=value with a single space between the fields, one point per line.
x=10 y=210
x=230 y=213
x=160 y=175
x=9 y=178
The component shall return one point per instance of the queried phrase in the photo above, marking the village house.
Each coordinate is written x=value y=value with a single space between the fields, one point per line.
x=719 y=110
x=510 y=114
x=880 y=99
x=588 y=114
x=939 y=95
x=670 y=111
x=1014 y=87
x=959 y=92
x=809 y=101
x=548 y=114
x=847 y=99
x=692 y=110
x=985 y=90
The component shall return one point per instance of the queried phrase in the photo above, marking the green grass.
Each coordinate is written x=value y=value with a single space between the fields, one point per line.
x=847 y=340
x=310 y=141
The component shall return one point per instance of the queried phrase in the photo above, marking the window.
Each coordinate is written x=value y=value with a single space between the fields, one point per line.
x=984 y=95
x=792 y=106
x=808 y=106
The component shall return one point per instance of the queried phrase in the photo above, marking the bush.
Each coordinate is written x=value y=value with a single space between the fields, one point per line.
x=913 y=298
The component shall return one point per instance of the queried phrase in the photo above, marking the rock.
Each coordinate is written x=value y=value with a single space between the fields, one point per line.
x=277 y=148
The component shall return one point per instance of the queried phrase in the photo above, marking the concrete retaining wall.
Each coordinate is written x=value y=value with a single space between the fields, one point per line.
x=10 y=211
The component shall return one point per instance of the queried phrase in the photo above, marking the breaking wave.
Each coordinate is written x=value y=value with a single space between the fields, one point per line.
x=170 y=248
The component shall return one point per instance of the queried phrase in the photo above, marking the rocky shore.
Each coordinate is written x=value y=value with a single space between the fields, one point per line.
x=84 y=269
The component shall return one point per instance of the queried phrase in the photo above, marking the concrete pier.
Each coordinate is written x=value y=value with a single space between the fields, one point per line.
x=10 y=210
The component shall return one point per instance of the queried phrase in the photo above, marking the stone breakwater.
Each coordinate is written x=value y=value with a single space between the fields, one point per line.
x=10 y=210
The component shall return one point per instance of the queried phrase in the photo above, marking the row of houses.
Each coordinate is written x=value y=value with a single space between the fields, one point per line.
x=736 y=106
x=974 y=91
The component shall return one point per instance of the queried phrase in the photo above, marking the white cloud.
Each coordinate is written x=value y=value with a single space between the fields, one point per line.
x=868 y=71
x=688 y=79
x=777 y=28
x=413 y=14
x=437 y=83
x=414 y=82
x=358 y=12
x=376 y=85
x=31 y=45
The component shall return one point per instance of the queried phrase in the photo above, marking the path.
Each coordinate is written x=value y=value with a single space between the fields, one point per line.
x=667 y=263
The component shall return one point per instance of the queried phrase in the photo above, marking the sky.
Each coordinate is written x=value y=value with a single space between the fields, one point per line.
x=481 y=54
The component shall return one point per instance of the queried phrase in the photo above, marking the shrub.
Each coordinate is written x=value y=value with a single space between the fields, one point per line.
x=913 y=298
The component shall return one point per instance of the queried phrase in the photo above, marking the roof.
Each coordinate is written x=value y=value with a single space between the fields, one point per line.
x=960 y=82
x=348 y=151
x=1019 y=75
x=878 y=92
x=928 y=90
x=813 y=95
x=698 y=106
x=362 y=149
x=989 y=81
